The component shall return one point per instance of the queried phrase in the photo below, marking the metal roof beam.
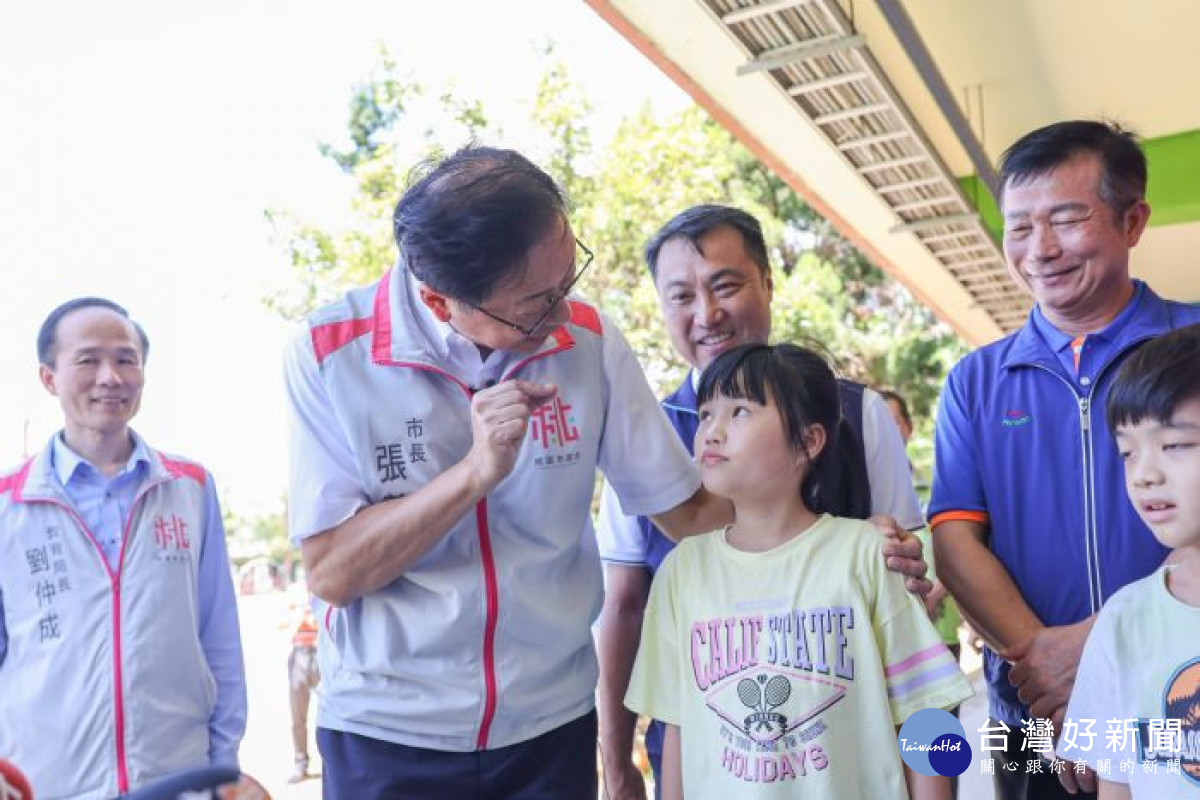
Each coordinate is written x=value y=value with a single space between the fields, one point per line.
x=790 y=54
x=913 y=184
x=895 y=163
x=945 y=199
x=972 y=248
x=994 y=260
x=866 y=141
x=761 y=10
x=914 y=47
x=851 y=113
x=996 y=293
x=829 y=82
x=944 y=237
x=936 y=222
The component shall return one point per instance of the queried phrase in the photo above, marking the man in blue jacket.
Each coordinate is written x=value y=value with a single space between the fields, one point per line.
x=1031 y=531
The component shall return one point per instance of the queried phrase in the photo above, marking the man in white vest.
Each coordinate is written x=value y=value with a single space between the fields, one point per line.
x=120 y=656
x=448 y=423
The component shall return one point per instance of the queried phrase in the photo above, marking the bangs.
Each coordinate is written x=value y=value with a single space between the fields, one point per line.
x=740 y=374
x=803 y=390
x=763 y=374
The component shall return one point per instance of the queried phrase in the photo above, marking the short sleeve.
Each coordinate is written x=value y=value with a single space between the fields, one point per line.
x=655 y=688
x=323 y=484
x=919 y=670
x=620 y=537
x=957 y=481
x=640 y=454
x=1096 y=696
x=888 y=471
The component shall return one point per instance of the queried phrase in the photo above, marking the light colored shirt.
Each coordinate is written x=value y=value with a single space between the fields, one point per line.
x=787 y=671
x=104 y=503
x=1139 y=670
x=101 y=501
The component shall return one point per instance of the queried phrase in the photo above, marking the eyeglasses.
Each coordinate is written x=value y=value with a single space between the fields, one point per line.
x=552 y=301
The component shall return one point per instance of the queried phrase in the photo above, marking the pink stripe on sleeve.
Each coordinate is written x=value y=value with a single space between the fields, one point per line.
x=915 y=659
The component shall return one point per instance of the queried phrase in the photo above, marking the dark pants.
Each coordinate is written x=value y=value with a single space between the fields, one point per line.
x=303 y=677
x=1017 y=783
x=558 y=765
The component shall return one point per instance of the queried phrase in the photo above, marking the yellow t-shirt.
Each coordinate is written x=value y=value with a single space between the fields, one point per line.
x=789 y=670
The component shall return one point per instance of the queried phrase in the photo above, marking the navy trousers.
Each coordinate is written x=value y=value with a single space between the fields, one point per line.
x=558 y=765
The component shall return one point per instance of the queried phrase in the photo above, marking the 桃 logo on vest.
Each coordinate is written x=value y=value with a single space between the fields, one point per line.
x=172 y=538
x=554 y=434
x=933 y=742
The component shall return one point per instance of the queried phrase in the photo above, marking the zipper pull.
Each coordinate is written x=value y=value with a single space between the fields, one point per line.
x=1085 y=418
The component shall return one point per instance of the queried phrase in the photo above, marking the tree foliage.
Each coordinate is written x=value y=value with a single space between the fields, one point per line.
x=827 y=294
x=261 y=535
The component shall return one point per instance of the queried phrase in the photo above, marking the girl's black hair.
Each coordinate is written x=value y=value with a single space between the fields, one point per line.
x=805 y=391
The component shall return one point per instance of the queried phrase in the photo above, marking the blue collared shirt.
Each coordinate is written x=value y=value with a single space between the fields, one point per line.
x=101 y=501
x=104 y=504
x=1099 y=347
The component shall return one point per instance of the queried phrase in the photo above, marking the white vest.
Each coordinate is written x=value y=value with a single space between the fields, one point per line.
x=105 y=684
x=485 y=641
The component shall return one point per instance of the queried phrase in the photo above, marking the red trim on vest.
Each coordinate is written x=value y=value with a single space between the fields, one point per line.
x=381 y=345
x=114 y=579
x=16 y=481
x=118 y=682
x=489 y=628
x=118 y=679
x=586 y=316
x=563 y=340
x=184 y=469
x=428 y=368
x=381 y=354
x=334 y=335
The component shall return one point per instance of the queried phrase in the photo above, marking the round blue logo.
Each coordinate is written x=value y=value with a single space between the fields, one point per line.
x=933 y=742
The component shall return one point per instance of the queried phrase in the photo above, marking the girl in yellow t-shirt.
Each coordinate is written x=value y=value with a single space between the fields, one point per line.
x=780 y=651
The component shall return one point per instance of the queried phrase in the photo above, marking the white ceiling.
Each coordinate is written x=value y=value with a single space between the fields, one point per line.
x=1031 y=62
